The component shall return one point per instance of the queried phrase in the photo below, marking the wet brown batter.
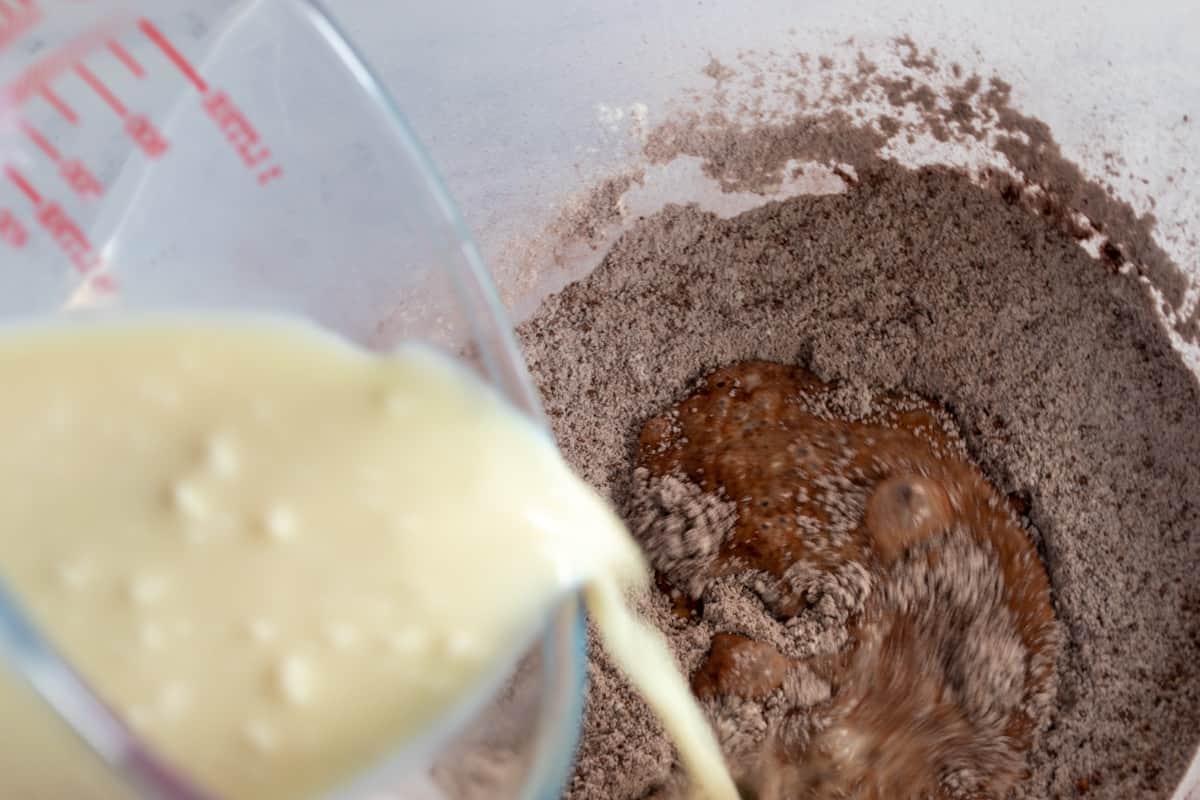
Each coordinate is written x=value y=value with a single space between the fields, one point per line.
x=879 y=525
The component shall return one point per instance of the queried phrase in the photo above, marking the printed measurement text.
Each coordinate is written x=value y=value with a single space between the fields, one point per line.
x=231 y=121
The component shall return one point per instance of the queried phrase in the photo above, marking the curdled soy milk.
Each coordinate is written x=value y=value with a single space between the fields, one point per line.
x=278 y=556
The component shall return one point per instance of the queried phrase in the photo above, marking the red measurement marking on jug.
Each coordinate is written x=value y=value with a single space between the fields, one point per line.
x=100 y=88
x=16 y=18
x=231 y=121
x=12 y=232
x=237 y=129
x=36 y=78
x=58 y=224
x=145 y=135
x=140 y=128
x=43 y=144
x=80 y=178
x=126 y=58
x=74 y=172
x=59 y=105
x=69 y=237
x=25 y=186
x=173 y=55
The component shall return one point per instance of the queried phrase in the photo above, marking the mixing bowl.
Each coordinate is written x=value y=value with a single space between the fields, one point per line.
x=528 y=106
x=239 y=156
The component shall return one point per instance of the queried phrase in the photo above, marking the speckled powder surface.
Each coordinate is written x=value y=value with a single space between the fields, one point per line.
x=1055 y=369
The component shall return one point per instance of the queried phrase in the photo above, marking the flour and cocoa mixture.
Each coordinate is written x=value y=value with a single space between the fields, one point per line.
x=1063 y=385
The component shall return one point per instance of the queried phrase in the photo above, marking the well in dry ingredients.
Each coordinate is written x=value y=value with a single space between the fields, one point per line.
x=895 y=637
x=1067 y=395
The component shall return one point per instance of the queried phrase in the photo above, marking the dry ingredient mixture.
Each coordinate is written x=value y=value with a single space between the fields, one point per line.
x=1062 y=383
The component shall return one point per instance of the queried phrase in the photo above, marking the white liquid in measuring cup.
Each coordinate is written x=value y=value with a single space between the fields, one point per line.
x=279 y=557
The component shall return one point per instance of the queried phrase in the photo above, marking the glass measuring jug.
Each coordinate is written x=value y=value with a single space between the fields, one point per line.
x=239 y=156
